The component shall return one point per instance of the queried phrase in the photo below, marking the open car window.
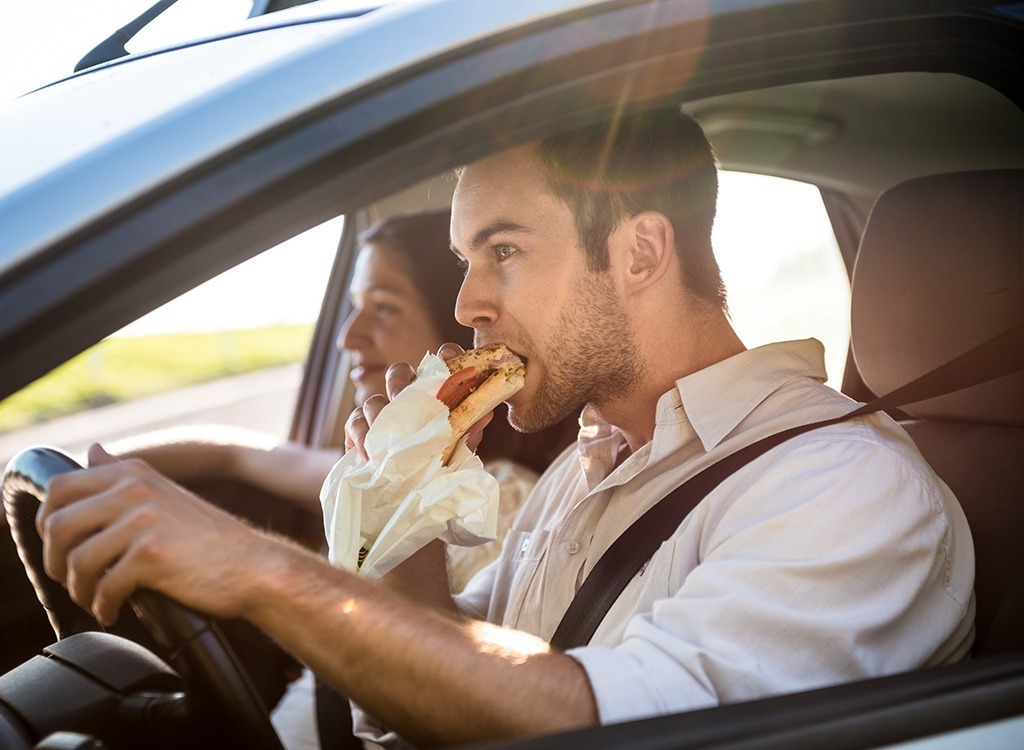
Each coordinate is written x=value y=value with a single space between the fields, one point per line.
x=229 y=351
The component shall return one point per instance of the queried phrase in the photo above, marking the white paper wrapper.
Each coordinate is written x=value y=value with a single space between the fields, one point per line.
x=402 y=498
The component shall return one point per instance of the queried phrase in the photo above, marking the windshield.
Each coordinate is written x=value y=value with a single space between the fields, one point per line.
x=41 y=41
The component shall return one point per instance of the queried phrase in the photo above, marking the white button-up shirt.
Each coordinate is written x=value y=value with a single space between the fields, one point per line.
x=838 y=555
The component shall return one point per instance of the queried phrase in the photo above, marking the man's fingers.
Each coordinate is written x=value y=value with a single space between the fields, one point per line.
x=143 y=556
x=372 y=407
x=359 y=421
x=65 y=529
x=88 y=562
x=116 y=586
x=64 y=489
x=97 y=456
x=476 y=433
x=107 y=568
x=356 y=428
x=450 y=351
x=398 y=377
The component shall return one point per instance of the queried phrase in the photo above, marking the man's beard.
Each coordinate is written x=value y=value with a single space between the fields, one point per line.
x=590 y=358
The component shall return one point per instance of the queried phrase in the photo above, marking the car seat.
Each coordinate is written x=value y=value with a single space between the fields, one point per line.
x=940 y=269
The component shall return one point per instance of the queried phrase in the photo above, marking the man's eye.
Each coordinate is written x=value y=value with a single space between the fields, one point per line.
x=504 y=252
x=463 y=264
x=384 y=308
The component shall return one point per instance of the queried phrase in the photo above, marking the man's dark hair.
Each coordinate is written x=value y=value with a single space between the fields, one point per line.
x=658 y=160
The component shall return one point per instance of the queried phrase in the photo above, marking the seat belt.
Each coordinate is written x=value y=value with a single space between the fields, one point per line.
x=334 y=719
x=995 y=358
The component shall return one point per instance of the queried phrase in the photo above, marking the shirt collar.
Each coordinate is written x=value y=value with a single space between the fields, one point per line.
x=717 y=398
x=599 y=446
x=709 y=403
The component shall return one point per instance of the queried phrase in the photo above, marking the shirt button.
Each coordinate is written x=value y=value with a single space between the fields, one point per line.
x=572 y=547
x=525 y=547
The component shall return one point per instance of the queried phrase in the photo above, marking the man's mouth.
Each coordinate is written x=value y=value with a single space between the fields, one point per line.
x=481 y=343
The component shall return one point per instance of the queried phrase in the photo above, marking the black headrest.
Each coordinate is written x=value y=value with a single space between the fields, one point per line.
x=940 y=270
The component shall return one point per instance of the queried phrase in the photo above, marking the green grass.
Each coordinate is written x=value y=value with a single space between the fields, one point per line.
x=121 y=369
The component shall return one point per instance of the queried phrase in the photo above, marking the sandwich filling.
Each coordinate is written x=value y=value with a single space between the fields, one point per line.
x=480 y=380
x=462 y=383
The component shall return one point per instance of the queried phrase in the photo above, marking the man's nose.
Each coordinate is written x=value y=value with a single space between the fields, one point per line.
x=476 y=306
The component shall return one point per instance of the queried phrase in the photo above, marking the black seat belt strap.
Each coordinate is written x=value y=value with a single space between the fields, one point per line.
x=997 y=357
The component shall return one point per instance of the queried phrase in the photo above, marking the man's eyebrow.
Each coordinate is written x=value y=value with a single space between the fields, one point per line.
x=485 y=234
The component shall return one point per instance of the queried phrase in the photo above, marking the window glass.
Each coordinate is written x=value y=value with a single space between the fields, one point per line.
x=227 y=352
x=781 y=265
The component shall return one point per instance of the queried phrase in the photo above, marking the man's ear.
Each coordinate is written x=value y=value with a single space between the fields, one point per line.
x=650 y=241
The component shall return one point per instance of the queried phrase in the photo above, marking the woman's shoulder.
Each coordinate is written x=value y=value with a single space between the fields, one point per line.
x=508 y=471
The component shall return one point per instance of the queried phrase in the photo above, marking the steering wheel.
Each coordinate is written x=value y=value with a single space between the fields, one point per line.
x=219 y=690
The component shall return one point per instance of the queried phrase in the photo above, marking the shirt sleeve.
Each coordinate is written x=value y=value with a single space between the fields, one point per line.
x=840 y=560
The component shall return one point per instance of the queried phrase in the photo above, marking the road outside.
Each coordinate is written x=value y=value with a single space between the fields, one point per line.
x=261 y=401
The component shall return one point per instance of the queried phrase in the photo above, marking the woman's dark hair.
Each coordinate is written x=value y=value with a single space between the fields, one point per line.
x=658 y=160
x=421 y=240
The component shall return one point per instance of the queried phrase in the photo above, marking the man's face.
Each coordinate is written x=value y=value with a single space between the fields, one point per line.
x=527 y=285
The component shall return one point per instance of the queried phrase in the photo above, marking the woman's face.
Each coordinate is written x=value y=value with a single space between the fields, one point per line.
x=390 y=321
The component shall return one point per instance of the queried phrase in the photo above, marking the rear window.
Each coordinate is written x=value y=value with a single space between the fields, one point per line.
x=781 y=265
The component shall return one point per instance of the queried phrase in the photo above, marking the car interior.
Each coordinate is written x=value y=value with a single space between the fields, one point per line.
x=922 y=177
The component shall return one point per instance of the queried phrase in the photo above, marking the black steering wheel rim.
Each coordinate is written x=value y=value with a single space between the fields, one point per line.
x=218 y=685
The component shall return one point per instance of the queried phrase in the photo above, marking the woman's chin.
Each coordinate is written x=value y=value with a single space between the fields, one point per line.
x=365 y=389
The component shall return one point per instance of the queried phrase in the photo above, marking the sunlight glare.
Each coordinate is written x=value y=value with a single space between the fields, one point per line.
x=513 y=646
x=781 y=265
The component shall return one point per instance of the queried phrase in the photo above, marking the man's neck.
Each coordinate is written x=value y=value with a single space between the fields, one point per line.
x=635 y=414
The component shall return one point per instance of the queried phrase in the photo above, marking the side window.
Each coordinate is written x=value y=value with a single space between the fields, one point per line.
x=781 y=265
x=229 y=351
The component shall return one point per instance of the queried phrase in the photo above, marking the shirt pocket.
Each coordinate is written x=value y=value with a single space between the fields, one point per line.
x=517 y=567
x=655 y=581
x=676 y=559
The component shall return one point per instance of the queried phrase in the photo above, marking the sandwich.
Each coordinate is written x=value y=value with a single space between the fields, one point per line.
x=480 y=380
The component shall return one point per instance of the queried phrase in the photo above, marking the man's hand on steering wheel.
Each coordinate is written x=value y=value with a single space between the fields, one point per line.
x=119 y=526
